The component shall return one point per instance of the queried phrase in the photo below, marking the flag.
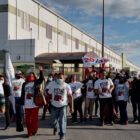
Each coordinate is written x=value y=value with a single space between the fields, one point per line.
x=93 y=61
x=10 y=74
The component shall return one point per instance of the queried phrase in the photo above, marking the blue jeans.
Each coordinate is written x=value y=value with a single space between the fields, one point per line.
x=59 y=119
x=20 y=107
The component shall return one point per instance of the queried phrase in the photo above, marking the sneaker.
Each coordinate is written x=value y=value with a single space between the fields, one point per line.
x=134 y=121
x=90 y=118
x=62 y=138
x=112 y=123
x=102 y=123
x=28 y=136
x=95 y=115
x=34 y=133
x=54 y=131
x=126 y=123
x=6 y=127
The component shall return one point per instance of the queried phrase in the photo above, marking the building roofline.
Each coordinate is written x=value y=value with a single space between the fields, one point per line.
x=42 y=5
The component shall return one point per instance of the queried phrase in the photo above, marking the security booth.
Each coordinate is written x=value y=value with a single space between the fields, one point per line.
x=67 y=63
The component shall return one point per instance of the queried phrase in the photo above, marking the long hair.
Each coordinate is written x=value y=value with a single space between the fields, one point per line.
x=35 y=76
x=5 y=79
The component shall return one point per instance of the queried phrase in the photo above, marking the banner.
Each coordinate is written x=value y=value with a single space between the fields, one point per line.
x=88 y=61
x=10 y=74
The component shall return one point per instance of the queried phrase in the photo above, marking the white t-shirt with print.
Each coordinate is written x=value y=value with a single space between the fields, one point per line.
x=60 y=94
x=90 y=90
x=50 y=84
x=29 y=96
x=122 y=92
x=76 y=89
x=103 y=86
x=1 y=89
x=116 y=82
x=17 y=86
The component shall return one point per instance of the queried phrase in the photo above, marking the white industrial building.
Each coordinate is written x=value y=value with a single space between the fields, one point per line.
x=29 y=29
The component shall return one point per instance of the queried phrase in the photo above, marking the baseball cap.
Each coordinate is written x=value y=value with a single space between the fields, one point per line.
x=18 y=72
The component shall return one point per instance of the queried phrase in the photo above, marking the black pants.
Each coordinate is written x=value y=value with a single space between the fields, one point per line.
x=136 y=106
x=77 y=107
x=103 y=102
x=8 y=111
x=123 y=111
x=96 y=105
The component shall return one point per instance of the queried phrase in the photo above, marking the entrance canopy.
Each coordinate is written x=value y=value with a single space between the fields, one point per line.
x=67 y=57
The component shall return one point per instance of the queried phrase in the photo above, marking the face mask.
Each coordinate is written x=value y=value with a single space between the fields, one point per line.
x=1 y=82
x=31 y=79
x=50 y=79
x=59 y=81
x=18 y=77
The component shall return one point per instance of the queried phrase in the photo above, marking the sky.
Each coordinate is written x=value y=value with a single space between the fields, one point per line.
x=122 y=22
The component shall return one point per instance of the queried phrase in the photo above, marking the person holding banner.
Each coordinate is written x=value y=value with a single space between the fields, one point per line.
x=16 y=89
x=90 y=96
x=104 y=87
x=29 y=90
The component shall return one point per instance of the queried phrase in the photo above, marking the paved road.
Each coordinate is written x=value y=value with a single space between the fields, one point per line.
x=85 y=131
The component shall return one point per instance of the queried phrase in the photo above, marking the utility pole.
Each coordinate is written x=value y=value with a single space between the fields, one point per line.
x=103 y=31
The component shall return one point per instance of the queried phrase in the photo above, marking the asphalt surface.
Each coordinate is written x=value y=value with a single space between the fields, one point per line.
x=89 y=130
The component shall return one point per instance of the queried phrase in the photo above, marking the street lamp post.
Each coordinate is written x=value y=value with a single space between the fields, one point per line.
x=103 y=65
x=103 y=31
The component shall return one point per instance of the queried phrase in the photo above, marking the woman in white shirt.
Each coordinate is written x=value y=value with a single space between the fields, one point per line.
x=122 y=98
x=29 y=90
x=77 y=96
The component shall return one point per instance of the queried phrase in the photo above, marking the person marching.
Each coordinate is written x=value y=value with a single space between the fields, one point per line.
x=8 y=104
x=60 y=92
x=49 y=80
x=104 y=87
x=135 y=97
x=2 y=98
x=90 y=96
x=16 y=89
x=122 y=94
x=77 y=96
x=29 y=90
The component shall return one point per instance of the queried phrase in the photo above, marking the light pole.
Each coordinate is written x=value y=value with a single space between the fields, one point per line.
x=103 y=31
x=103 y=65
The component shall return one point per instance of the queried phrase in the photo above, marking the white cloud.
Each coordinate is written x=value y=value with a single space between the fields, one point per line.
x=113 y=8
x=137 y=20
x=129 y=47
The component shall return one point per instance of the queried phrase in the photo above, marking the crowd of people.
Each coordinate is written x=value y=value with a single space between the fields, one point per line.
x=109 y=95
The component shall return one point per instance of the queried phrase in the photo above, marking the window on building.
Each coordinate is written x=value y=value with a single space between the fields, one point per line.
x=22 y=19
x=92 y=49
x=77 y=43
x=25 y=21
x=86 y=47
x=65 y=38
x=48 y=31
